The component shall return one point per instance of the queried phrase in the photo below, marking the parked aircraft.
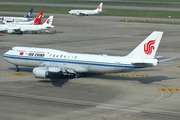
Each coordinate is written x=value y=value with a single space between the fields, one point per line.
x=18 y=19
x=50 y=61
x=87 y=12
x=36 y=21
x=13 y=28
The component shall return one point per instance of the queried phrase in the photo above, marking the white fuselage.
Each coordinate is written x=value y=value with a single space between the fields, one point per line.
x=3 y=27
x=22 y=28
x=19 y=23
x=18 y=19
x=32 y=27
x=81 y=63
x=83 y=12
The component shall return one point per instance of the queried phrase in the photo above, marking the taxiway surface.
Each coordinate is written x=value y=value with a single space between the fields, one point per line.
x=151 y=93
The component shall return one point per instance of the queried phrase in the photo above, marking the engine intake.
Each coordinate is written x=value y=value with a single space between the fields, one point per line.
x=10 y=31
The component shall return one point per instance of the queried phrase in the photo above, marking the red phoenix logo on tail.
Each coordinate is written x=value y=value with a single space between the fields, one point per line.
x=48 y=21
x=99 y=7
x=148 y=47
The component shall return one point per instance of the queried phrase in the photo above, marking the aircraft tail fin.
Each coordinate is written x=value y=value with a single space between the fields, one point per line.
x=29 y=14
x=38 y=18
x=148 y=48
x=49 y=21
x=99 y=8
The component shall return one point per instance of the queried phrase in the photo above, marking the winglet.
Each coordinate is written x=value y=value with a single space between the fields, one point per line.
x=147 y=48
x=29 y=14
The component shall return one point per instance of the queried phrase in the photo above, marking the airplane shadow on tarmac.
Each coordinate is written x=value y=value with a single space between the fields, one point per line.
x=23 y=69
x=58 y=81
x=143 y=80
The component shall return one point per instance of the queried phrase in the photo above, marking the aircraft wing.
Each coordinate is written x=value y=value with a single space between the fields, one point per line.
x=67 y=70
x=12 y=28
x=80 y=13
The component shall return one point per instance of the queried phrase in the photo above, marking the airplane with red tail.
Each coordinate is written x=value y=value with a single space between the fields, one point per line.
x=36 y=21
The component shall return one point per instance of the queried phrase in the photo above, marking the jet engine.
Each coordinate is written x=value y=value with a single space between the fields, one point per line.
x=46 y=72
x=81 y=14
x=41 y=72
x=10 y=31
x=77 y=13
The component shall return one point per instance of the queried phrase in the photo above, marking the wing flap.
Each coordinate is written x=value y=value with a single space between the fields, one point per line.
x=83 y=14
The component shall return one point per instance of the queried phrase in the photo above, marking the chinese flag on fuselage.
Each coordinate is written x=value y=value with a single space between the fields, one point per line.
x=21 y=53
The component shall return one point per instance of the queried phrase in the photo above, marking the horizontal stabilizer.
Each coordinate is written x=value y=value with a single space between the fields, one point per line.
x=165 y=59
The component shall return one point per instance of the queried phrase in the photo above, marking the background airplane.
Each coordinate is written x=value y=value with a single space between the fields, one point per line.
x=36 y=21
x=13 y=28
x=49 y=62
x=87 y=12
x=18 y=19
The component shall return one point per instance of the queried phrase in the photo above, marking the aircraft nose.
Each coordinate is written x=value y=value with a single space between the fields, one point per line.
x=69 y=12
x=4 y=56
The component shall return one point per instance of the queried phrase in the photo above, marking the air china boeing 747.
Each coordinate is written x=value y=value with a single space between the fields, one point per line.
x=50 y=61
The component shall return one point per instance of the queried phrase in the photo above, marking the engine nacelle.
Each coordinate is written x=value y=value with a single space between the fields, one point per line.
x=10 y=31
x=81 y=14
x=77 y=13
x=41 y=72
x=22 y=29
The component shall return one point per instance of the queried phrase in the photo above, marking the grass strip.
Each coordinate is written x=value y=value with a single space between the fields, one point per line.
x=140 y=3
x=107 y=12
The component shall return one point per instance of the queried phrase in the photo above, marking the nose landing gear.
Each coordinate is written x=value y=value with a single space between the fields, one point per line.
x=17 y=68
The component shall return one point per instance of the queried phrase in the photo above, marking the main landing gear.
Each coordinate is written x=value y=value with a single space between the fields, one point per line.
x=17 y=68
x=79 y=75
x=76 y=75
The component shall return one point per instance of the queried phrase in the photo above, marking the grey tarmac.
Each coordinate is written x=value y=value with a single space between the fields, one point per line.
x=95 y=97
